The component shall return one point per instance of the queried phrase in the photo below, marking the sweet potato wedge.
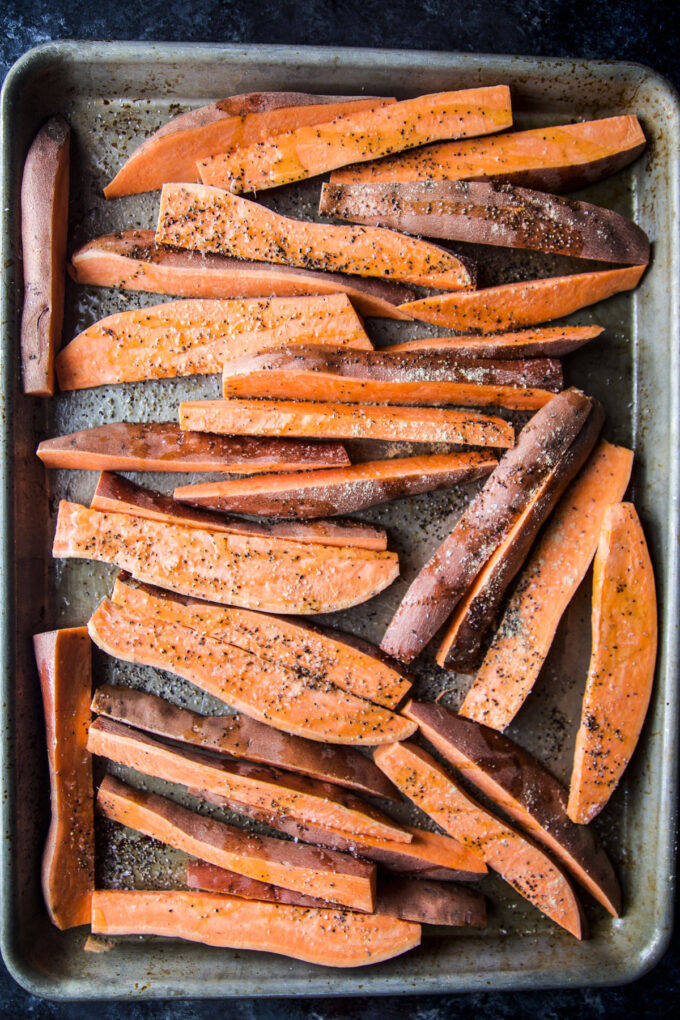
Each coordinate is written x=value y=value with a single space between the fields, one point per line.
x=44 y=227
x=194 y=337
x=64 y=665
x=516 y=858
x=208 y=219
x=237 y=736
x=340 y=491
x=524 y=790
x=131 y=260
x=118 y=495
x=266 y=691
x=497 y=214
x=330 y=875
x=545 y=587
x=621 y=670
x=171 y=153
x=303 y=419
x=266 y=788
x=475 y=613
x=142 y=446
x=411 y=900
x=561 y=158
x=318 y=653
x=485 y=524
x=549 y=341
x=355 y=137
x=430 y=855
x=330 y=938
x=303 y=372
x=514 y=305
x=271 y=574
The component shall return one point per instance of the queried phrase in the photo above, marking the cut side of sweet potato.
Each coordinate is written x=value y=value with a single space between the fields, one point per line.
x=475 y=613
x=485 y=524
x=304 y=372
x=171 y=153
x=524 y=790
x=621 y=670
x=132 y=446
x=497 y=214
x=340 y=491
x=270 y=574
x=330 y=875
x=306 y=419
x=514 y=305
x=517 y=859
x=355 y=137
x=44 y=229
x=561 y=158
x=209 y=219
x=239 y=737
x=318 y=653
x=266 y=788
x=131 y=260
x=64 y=661
x=330 y=938
x=194 y=337
x=118 y=495
x=545 y=587
x=549 y=341
x=266 y=691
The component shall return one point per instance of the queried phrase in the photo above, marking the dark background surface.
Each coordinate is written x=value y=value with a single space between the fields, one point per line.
x=637 y=30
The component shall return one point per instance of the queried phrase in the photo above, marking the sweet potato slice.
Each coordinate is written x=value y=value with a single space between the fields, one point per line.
x=131 y=260
x=319 y=653
x=209 y=219
x=550 y=341
x=475 y=613
x=44 y=228
x=271 y=574
x=621 y=670
x=516 y=858
x=266 y=788
x=266 y=691
x=64 y=659
x=485 y=524
x=546 y=585
x=524 y=790
x=497 y=214
x=240 y=737
x=302 y=372
x=411 y=900
x=141 y=446
x=355 y=137
x=171 y=153
x=118 y=495
x=330 y=938
x=304 y=419
x=429 y=855
x=194 y=337
x=340 y=491
x=561 y=158
x=514 y=305
x=331 y=876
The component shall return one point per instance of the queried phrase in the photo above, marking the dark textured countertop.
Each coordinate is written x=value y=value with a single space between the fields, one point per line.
x=607 y=29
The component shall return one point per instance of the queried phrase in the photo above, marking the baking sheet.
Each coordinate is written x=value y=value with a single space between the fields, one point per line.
x=113 y=94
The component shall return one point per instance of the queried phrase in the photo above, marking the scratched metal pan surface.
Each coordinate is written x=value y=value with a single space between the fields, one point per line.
x=113 y=94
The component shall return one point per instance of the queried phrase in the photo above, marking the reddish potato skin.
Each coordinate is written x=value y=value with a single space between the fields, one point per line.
x=546 y=342
x=442 y=582
x=525 y=790
x=496 y=214
x=44 y=228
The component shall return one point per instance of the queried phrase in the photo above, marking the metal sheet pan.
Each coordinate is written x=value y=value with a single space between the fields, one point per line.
x=113 y=94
